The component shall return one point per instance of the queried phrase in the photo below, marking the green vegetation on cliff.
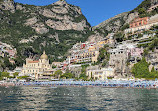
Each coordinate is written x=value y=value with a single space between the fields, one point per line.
x=141 y=70
x=55 y=42
x=104 y=56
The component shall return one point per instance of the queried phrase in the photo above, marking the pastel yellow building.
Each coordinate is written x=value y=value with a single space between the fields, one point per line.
x=38 y=69
x=88 y=56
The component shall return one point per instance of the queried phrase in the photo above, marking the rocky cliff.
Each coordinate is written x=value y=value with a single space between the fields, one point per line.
x=55 y=28
x=117 y=23
x=32 y=29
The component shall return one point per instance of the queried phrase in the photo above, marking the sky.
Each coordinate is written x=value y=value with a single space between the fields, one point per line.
x=96 y=11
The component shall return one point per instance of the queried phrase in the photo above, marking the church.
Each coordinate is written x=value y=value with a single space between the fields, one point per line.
x=38 y=69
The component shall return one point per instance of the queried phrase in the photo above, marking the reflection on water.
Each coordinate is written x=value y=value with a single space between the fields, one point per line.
x=78 y=98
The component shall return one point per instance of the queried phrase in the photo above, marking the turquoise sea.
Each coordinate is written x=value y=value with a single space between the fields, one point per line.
x=77 y=99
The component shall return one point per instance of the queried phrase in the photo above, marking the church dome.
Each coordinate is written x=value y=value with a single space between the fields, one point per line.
x=44 y=56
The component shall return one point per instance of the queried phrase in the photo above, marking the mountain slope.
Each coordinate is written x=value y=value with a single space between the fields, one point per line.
x=119 y=22
x=32 y=29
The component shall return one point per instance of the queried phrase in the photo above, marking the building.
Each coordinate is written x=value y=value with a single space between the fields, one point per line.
x=57 y=64
x=100 y=74
x=38 y=69
x=7 y=50
x=75 y=69
x=87 y=52
x=118 y=59
x=83 y=53
x=141 y=24
x=152 y=58
x=135 y=54
x=137 y=22
x=123 y=53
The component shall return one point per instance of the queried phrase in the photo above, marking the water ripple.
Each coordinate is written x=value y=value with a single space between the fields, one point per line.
x=74 y=98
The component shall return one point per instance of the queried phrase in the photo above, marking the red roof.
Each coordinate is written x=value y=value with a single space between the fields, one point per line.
x=33 y=61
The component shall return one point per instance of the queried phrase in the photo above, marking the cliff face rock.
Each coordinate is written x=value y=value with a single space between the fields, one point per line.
x=56 y=27
x=31 y=21
x=40 y=28
x=131 y=16
x=112 y=24
x=8 y=5
x=95 y=38
x=62 y=15
x=66 y=25
x=115 y=24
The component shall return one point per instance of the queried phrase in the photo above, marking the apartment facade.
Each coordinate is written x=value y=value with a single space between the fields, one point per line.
x=121 y=55
x=141 y=24
x=100 y=74
x=153 y=59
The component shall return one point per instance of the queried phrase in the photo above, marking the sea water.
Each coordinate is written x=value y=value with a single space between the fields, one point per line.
x=77 y=98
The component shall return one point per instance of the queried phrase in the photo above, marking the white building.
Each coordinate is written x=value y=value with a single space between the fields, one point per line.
x=100 y=74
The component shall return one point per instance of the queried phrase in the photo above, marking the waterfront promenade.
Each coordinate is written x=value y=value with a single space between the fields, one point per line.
x=107 y=83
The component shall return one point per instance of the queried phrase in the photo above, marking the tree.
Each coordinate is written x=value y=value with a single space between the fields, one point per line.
x=104 y=56
x=83 y=72
x=54 y=66
x=83 y=76
x=141 y=69
x=19 y=61
x=119 y=36
x=8 y=64
x=23 y=77
x=4 y=74
x=141 y=11
x=15 y=74
x=67 y=75
x=1 y=76
x=153 y=73
x=126 y=26
x=58 y=73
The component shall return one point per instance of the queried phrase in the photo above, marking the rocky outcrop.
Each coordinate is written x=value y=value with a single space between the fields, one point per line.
x=95 y=38
x=56 y=36
x=31 y=39
x=59 y=16
x=131 y=16
x=48 y=13
x=54 y=28
x=112 y=24
x=66 y=25
x=40 y=28
x=115 y=23
x=19 y=7
x=31 y=21
x=8 y=5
